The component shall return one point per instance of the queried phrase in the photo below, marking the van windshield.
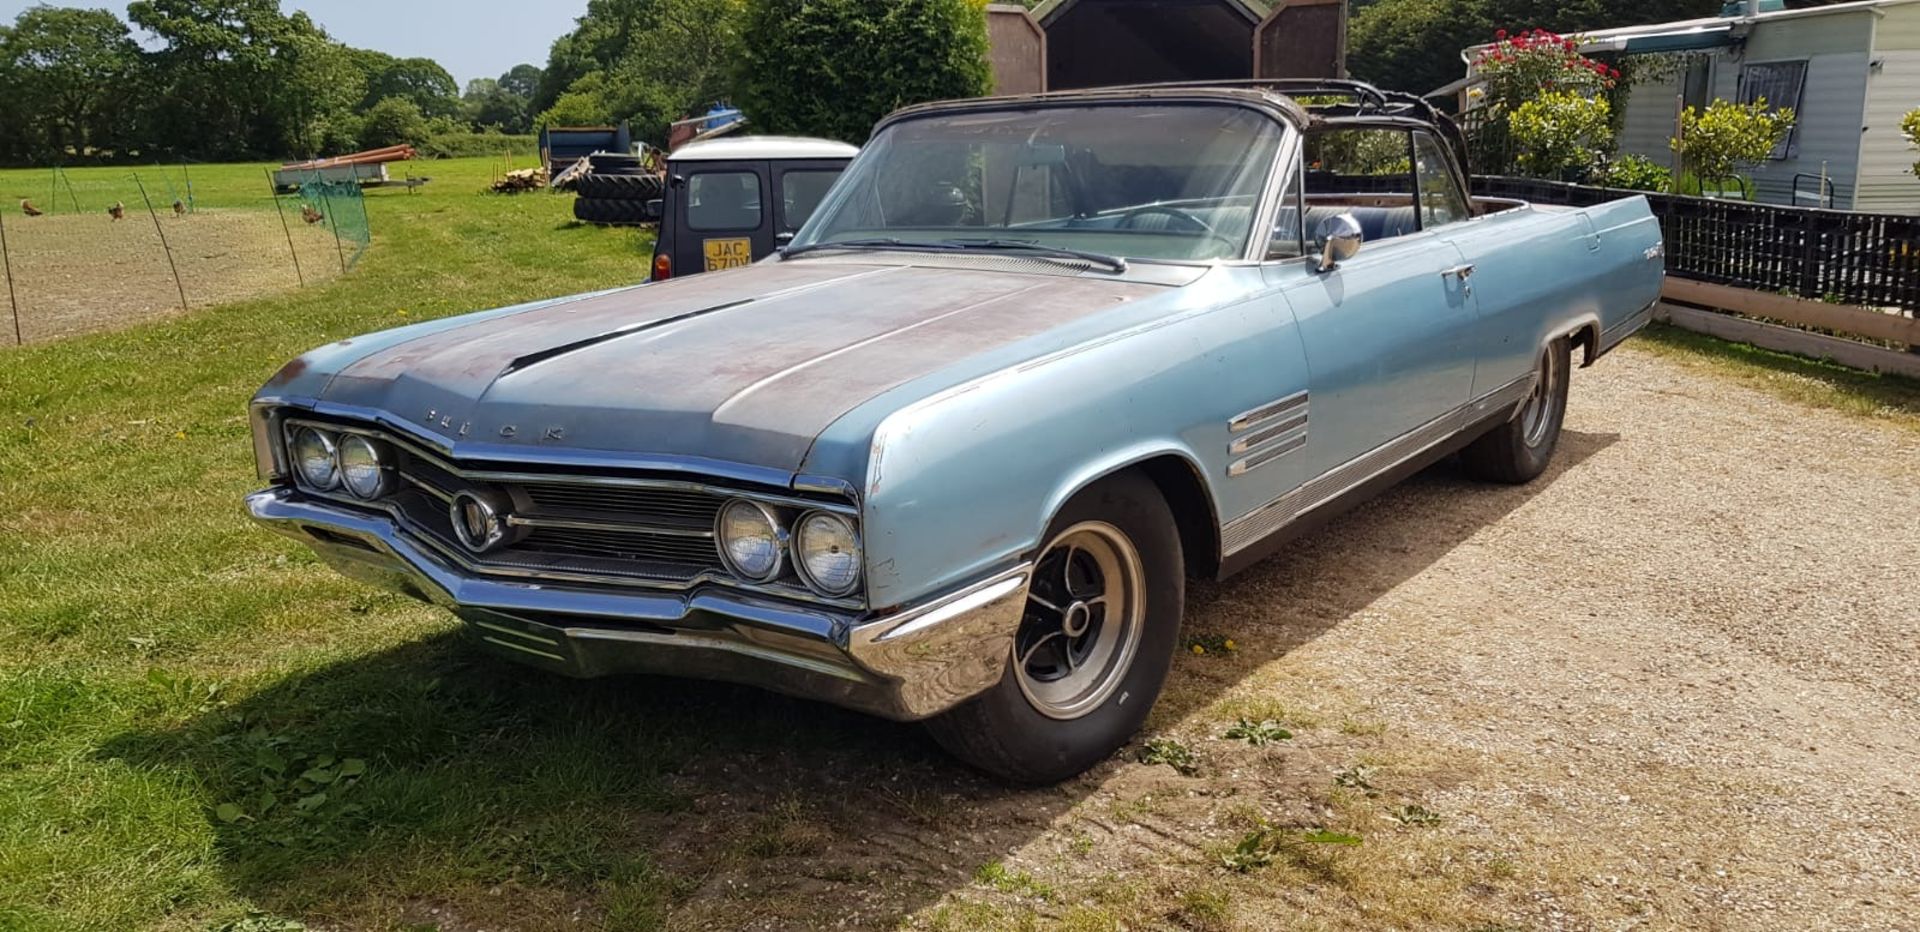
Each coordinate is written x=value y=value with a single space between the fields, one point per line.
x=1176 y=182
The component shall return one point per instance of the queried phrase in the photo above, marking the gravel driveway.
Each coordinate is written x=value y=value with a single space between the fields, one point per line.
x=1676 y=684
x=1685 y=673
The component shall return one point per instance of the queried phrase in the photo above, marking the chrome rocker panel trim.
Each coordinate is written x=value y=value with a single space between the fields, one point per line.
x=906 y=665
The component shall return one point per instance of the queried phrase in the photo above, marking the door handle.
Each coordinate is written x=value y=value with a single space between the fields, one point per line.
x=1461 y=272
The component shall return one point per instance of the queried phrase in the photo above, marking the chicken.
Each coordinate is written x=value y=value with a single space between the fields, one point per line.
x=310 y=215
x=26 y=207
x=118 y=211
x=179 y=208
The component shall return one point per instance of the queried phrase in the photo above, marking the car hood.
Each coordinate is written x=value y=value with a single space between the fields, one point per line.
x=746 y=366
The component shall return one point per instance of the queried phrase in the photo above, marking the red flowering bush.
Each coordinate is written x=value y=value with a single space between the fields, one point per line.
x=1519 y=68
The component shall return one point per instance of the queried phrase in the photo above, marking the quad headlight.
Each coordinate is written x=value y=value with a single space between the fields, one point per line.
x=330 y=461
x=365 y=467
x=752 y=540
x=827 y=552
x=756 y=542
x=317 y=458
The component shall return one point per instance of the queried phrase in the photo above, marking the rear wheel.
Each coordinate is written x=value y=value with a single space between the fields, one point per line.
x=1519 y=450
x=1094 y=644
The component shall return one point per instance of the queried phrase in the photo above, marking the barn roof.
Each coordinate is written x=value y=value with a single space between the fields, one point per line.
x=1253 y=10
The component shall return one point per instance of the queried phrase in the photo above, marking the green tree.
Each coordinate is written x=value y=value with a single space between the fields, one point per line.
x=393 y=122
x=834 y=67
x=66 y=74
x=236 y=78
x=420 y=80
x=1715 y=143
x=522 y=80
x=1561 y=134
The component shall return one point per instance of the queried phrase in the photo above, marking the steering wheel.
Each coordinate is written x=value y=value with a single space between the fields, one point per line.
x=1195 y=224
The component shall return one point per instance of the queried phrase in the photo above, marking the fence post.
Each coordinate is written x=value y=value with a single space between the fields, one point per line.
x=6 y=262
x=332 y=221
x=163 y=243
x=274 y=190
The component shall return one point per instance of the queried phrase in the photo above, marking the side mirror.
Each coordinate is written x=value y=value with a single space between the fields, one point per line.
x=1339 y=237
x=655 y=208
x=783 y=238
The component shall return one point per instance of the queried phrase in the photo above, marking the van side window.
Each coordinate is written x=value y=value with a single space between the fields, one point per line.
x=723 y=201
x=802 y=190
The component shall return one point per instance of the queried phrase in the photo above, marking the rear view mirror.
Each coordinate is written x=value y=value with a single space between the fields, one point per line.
x=1339 y=238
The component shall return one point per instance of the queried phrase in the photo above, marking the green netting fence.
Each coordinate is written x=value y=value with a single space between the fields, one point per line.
x=89 y=249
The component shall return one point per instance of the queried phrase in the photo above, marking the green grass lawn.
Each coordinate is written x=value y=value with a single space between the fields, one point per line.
x=160 y=659
x=202 y=728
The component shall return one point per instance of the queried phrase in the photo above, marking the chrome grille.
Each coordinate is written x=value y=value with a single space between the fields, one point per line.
x=622 y=545
x=670 y=506
x=650 y=532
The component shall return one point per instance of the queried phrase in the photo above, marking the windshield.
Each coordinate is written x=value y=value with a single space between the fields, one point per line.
x=1167 y=181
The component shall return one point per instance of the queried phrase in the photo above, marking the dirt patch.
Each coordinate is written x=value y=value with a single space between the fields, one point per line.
x=79 y=273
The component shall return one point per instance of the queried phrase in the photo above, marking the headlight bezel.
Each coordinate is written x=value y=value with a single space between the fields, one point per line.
x=382 y=461
x=779 y=534
x=298 y=461
x=799 y=548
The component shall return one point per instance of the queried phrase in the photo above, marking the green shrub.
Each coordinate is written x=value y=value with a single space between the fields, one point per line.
x=1561 y=134
x=1638 y=173
x=391 y=122
x=471 y=145
x=1715 y=143
x=834 y=67
x=1910 y=128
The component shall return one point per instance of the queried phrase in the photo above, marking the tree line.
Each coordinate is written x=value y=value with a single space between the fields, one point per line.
x=224 y=79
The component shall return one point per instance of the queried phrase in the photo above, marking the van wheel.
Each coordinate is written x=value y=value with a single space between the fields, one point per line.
x=1519 y=450
x=1094 y=644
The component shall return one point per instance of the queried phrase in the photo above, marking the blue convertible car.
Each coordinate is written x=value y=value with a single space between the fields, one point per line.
x=951 y=455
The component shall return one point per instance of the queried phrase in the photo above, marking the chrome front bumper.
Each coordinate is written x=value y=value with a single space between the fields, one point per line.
x=906 y=665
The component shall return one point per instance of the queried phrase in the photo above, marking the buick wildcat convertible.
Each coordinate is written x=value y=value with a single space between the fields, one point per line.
x=950 y=455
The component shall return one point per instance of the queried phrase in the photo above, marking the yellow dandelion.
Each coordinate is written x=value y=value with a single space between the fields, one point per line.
x=1232 y=646
x=1198 y=649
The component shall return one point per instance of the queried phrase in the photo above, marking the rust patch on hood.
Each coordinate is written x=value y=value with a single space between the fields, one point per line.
x=744 y=366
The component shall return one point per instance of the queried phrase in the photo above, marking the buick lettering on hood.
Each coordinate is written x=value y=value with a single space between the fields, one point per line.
x=950 y=455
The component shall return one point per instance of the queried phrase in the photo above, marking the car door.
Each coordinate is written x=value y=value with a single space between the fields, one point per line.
x=1388 y=333
x=722 y=212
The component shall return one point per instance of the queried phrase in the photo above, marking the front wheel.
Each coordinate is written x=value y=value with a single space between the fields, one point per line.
x=1519 y=450
x=1094 y=644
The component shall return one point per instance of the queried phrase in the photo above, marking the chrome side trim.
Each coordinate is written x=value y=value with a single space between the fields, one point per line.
x=1268 y=435
x=1251 y=528
x=1266 y=457
x=1267 y=412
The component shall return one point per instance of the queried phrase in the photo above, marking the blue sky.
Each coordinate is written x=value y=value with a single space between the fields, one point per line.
x=471 y=38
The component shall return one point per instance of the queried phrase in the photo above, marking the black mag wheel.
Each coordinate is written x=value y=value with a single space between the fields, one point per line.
x=1094 y=644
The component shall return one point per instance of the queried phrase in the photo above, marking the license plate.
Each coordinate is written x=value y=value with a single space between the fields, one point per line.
x=728 y=253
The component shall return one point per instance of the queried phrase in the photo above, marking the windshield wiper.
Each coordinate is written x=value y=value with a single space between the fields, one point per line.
x=881 y=242
x=957 y=245
x=1098 y=258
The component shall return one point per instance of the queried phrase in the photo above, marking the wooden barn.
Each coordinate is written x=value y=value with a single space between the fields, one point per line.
x=1100 y=43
